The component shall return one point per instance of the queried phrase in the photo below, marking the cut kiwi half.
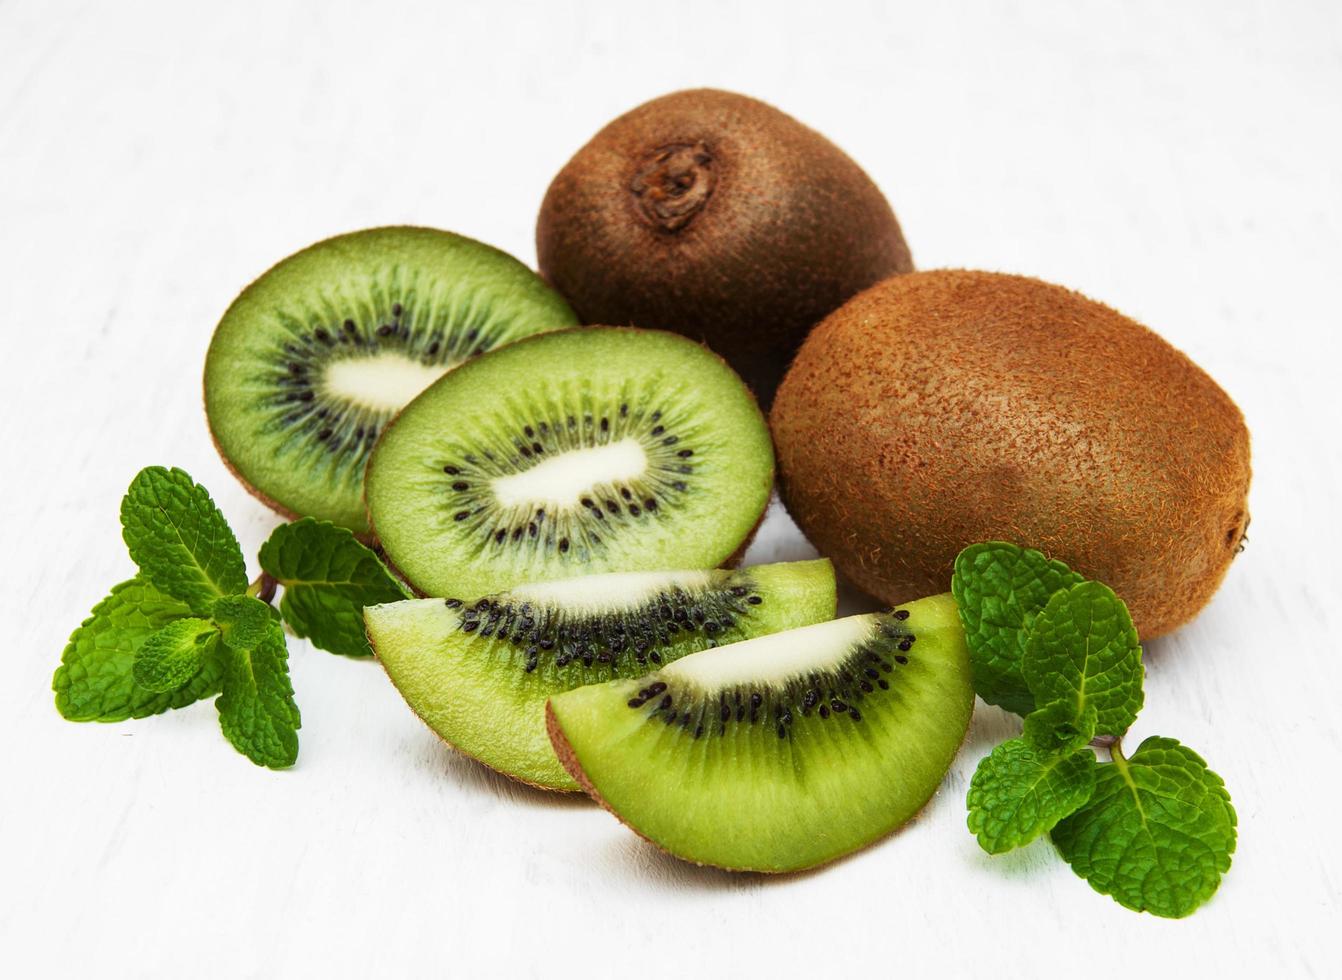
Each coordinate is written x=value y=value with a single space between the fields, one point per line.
x=478 y=671
x=309 y=364
x=782 y=752
x=572 y=453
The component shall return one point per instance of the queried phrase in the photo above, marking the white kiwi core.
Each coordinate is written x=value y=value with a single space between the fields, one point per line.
x=775 y=658
x=608 y=592
x=386 y=382
x=559 y=482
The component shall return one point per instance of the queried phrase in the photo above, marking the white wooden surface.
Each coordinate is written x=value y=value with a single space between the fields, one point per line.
x=1180 y=161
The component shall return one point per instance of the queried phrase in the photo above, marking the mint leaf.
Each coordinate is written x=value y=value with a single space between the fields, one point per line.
x=245 y=621
x=328 y=577
x=999 y=589
x=96 y=682
x=180 y=540
x=1157 y=834
x=1020 y=792
x=1082 y=651
x=173 y=654
x=1056 y=727
x=256 y=710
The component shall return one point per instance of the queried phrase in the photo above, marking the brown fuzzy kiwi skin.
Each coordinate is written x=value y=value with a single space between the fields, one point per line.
x=781 y=228
x=942 y=408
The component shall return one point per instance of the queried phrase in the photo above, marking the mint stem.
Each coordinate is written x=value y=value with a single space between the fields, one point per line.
x=263 y=588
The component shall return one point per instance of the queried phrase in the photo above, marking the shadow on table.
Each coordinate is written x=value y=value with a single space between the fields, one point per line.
x=471 y=776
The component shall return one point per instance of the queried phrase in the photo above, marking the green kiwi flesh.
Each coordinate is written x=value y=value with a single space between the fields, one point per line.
x=313 y=359
x=478 y=671
x=571 y=453
x=782 y=752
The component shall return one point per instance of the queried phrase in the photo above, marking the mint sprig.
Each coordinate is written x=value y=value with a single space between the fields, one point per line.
x=1000 y=589
x=328 y=577
x=171 y=656
x=184 y=629
x=257 y=711
x=1158 y=832
x=1155 y=832
x=1020 y=792
x=180 y=540
x=96 y=681
x=189 y=626
x=1081 y=652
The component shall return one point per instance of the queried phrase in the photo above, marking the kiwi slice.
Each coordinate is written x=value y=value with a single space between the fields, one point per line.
x=314 y=358
x=573 y=453
x=782 y=752
x=478 y=671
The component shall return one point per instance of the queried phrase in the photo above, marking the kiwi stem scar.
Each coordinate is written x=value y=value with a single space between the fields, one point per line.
x=561 y=481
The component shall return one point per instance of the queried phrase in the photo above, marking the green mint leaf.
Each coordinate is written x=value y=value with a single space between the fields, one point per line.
x=245 y=621
x=172 y=655
x=1157 y=834
x=1019 y=792
x=999 y=589
x=256 y=710
x=328 y=577
x=96 y=681
x=180 y=540
x=1056 y=727
x=1082 y=651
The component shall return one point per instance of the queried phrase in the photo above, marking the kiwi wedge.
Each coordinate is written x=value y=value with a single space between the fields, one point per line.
x=309 y=364
x=478 y=671
x=572 y=453
x=781 y=752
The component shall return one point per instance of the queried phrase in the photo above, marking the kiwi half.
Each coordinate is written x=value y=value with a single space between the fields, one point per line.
x=782 y=752
x=313 y=359
x=572 y=453
x=478 y=671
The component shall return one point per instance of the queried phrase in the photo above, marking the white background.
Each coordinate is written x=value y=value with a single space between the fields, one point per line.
x=1179 y=161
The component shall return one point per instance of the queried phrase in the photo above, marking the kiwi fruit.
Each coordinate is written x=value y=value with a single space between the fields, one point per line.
x=781 y=752
x=478 y=671
x=572 y=453
x=718 y=216
x=943 y=408
x=313 y=359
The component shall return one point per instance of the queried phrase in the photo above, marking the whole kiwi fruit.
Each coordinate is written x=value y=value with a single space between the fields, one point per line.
x=722 y=218
x=942 y=408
